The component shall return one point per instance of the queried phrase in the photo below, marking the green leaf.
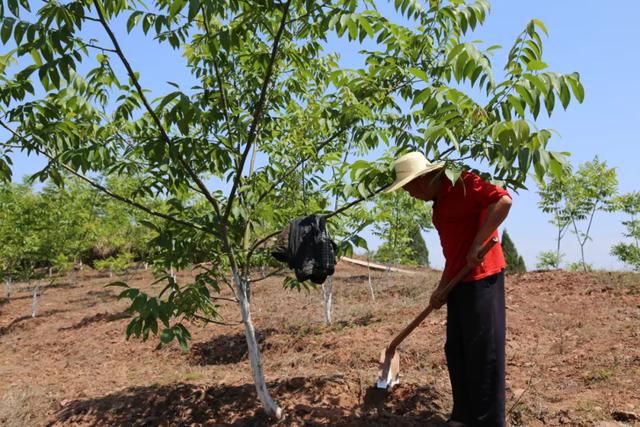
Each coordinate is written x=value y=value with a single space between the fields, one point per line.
x=541 y=25
x=419 y=74
x=536 y=65
x=453 y=174
x=576 y=86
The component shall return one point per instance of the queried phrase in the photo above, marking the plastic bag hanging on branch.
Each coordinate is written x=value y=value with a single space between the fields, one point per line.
x=307 y=248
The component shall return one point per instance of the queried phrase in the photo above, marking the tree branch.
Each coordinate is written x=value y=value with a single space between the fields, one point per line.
x=154 y=116
x=257 y=115
x=223 y=96
x=106 y=190
x=288 y=172
x=273 y=273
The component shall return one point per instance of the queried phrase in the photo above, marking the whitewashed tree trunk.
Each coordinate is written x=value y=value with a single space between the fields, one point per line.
x=373 y=296
x=34 y=301
x=146 y=266
x=8 y=283
x=327 y=297
x=254 y=351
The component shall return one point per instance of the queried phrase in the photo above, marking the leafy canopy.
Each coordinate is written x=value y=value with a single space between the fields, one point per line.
x=271 y=108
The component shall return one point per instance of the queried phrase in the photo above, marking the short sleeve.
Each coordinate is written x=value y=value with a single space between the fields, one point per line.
x=483 y=192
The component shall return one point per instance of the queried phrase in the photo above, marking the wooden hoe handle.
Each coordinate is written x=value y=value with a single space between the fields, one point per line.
x=464 y=271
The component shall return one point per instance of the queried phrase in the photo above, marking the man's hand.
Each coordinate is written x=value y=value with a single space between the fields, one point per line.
x=473 y=256
x=437 y=298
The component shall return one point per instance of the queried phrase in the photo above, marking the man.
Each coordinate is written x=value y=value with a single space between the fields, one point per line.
x=466 y=215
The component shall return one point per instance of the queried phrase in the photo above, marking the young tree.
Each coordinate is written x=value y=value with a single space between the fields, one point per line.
x=574 y=199
x=548 y=260
x=553 y=199
x=266 y=88
x=515 y=263
x=399 y=221
x=419 y=247
x=591 y=190
x=629 y=253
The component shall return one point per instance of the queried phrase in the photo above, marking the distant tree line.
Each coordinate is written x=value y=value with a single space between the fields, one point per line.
x=57 y=228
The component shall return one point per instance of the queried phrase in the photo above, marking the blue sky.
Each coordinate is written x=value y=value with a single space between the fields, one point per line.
x=599 y=42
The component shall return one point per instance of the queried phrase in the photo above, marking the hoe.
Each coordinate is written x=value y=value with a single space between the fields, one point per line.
x=389 y=373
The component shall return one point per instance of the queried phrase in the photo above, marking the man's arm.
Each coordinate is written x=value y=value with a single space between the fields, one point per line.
x=496 y=214
x=437 y=298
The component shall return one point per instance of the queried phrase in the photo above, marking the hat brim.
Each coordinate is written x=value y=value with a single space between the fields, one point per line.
x=402 y=182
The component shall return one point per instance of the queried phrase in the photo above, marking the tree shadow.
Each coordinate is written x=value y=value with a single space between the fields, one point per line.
x=20 y=321
x=326 y=401
x=225 y=349
x=100 y=317
x=93 y=298
x=61 y=285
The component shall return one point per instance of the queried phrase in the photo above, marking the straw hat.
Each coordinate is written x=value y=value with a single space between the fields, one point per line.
x=409 y=167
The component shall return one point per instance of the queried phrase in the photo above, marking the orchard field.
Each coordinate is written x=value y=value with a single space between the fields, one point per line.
x=162 y=147
x=572 y=355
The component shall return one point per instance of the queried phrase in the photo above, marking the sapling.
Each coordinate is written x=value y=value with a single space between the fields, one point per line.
x=327 y=297
x=34 y=300
x=8 y=283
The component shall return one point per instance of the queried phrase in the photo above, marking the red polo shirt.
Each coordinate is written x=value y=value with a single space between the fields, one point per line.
x=458 y=213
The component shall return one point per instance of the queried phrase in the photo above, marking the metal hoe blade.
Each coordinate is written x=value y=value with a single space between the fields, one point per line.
x=389 y=373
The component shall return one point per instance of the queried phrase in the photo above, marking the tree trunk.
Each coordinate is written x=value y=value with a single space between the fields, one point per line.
x=327 y=296
x=8 y=283
x=558 y=248
x=254 y=350
x=373 y=296
x=34 y=301
x=584 y=263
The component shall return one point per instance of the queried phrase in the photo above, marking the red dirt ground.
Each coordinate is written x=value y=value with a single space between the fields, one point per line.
x=573 y=356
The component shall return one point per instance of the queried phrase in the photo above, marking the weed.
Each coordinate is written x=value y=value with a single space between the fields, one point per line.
x=597 y=376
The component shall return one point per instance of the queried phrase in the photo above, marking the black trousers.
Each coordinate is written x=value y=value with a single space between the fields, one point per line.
x=475 y=351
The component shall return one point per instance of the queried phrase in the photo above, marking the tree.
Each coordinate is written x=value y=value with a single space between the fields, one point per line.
x=515 y=263
x=574 y=199
x=419 y=248
x=553 y=199
x=592 y=190
x=268 y=101
x=399 y=221
x=629 y=253
x=548 y=260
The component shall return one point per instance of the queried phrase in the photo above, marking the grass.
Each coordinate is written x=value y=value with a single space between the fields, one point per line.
x=24 y=405
x=597 y=376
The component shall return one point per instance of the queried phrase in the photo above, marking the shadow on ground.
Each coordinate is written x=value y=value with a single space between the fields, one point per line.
x=320 y=401
x=225 y=349
x=100 y=317
x=28 y=321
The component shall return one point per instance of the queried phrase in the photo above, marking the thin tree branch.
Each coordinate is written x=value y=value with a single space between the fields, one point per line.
x=223 y=96
x=103 y=49
x=154 y=116
x=109 y=192
x=207 y=320
x=353 y=203
x=288 y=172
x=257 y=116
x=260 y=242
x=273 y=273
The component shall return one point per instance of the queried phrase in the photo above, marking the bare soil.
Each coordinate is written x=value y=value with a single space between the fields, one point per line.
x=573 y=355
